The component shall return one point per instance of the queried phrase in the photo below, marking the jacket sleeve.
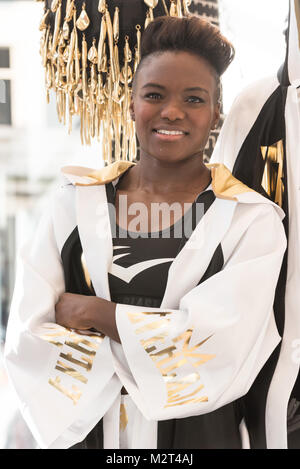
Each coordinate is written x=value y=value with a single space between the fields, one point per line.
x=207 y=352
x=63 y=380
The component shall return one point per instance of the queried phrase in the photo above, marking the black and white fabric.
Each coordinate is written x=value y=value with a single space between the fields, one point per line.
x=265 y=114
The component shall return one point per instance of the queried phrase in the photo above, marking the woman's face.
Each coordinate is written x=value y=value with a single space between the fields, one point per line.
x=174 y=105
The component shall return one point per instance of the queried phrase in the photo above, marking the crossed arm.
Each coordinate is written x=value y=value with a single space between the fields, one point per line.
x=83 y=312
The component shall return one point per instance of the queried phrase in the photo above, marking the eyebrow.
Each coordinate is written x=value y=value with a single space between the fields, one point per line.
x=156 y=85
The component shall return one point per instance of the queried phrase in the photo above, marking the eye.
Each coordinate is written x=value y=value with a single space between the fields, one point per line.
x=153 y=96
x=195 y=99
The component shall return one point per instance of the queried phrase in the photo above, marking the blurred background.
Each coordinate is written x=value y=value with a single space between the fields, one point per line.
x=34 y=146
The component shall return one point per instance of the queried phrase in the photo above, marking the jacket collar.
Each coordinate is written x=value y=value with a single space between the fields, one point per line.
x=224 y=185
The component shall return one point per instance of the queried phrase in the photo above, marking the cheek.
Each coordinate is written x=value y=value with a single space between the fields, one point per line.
x=143 y=119
x=143 y=114
x=203 y=122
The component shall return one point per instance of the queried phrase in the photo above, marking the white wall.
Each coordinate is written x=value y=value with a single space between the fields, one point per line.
x=255 y=28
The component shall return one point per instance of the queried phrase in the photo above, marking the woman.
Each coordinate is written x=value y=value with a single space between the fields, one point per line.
x=177 y=313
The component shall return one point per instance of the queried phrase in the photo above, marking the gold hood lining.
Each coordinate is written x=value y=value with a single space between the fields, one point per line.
x=224 y=184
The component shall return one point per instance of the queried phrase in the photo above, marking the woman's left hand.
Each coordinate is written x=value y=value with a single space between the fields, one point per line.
x=86 y=312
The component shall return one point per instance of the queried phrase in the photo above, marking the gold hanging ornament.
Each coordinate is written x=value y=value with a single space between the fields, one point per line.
x=102 y=6
x=77 y=56
x=60 y=63
x=179 y=9
x=92 y=99
x=71 y=55
x=186 y=4
x=84 y=66
x=137 y=56
x=173 y=8
x=56 y=29
x=43 y=23
x=165 y=8
x=45 y=46
x=125 y=115
x=88 y=78
x=115 y=93
x=93 y=54
x=110 y=44
x=54 y=5
x=116 y=89
x=148 y=19
x=127 y=51
x=116 y=25
x=101 y=46
x=151 y=3
x=83 y=20
x=66 y=54
x=66 y=30
x=69 y=10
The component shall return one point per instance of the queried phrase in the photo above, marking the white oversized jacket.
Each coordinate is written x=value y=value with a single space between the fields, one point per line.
x=200 y=350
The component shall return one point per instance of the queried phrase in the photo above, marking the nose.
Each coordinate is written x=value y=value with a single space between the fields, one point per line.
x=172 y=110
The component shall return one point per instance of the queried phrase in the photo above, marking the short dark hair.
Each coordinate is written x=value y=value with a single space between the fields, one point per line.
x=190 y=34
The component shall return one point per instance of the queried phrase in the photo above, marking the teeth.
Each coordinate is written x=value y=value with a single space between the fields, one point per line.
x=170 y=132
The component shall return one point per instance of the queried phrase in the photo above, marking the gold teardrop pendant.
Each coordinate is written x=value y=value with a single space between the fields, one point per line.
x=93 y=54
x=83 y=20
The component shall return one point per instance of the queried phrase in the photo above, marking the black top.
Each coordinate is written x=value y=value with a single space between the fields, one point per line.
x=141 y=261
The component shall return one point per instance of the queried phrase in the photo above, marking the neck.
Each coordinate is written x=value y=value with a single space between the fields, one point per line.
x=152 y=175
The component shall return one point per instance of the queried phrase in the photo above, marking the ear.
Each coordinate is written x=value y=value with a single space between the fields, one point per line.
x=131 y=110
x=216 y=116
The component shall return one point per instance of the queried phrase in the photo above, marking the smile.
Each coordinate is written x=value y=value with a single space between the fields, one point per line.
x=169 y=135
x=170 y=132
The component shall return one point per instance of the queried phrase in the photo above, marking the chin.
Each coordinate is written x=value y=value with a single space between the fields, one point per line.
x=180 y=158
x=163 y=155
x=170 y=159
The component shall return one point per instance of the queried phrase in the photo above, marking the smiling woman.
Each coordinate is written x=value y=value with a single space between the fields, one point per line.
x=155 y=336
x=181 y=111
x=175 y=101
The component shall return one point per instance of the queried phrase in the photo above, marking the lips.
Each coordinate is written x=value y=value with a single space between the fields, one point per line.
x=169 y=135
x=170 y=132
